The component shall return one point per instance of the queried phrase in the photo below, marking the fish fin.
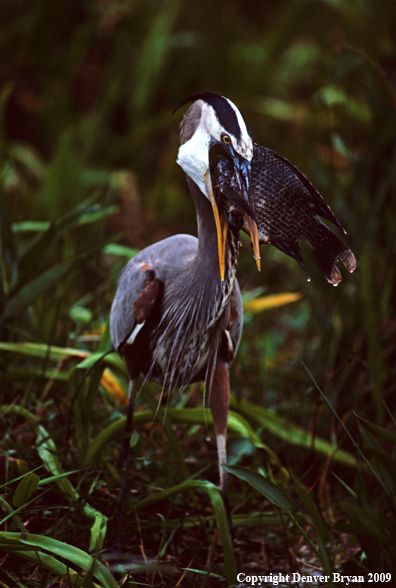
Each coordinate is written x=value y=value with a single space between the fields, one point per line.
x=328 y=249
x=291 y=248
x=320 y=206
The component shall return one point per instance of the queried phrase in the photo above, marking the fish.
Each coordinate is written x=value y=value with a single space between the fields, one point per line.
x=287 y=207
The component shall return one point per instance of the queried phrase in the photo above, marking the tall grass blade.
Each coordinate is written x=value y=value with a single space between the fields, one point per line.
x=292 y=433
x=384 y=433
x=191 y=416
x=29 y=293
x=220 y=514
x=161 y=415
x=360 y=453
x=153 y=53
x=15 y=542
x=275 y=494
x=8 y=269
x=42 y=350
x=322 y=531
x=48 y=453
x=373 y=331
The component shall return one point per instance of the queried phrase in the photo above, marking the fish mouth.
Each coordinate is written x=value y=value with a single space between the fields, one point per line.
x=241 y=198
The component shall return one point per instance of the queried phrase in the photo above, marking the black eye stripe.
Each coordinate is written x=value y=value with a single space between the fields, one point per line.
x=223 y=109
x=227 y=117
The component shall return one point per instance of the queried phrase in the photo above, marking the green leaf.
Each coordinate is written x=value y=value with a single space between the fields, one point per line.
x=288 y=431
x=11 y=514
x=120 y=250
x=63 y=184
x=112 y=431
x=152 y=53
x=335 y=96
x=42 y=350
x=48 y=453
x=29 y=293
x=201 y=416
x=162 y=416
x=281 y=109
x=31 y=226
x=250 y=519
x=25 y=489
x=322 y=531
x=112 y=359
x=32 y=257
x=220 y=514
x=347 y=488
x=97 y=215
x=8 y=271
x=76 y=557
x=271 y=491
x=388 y=435
x=28 y=157
x=45 y=562
x=80 y=314
x=86 y=389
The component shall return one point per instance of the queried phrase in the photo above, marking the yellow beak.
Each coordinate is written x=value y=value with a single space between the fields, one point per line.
x=221 y=224
x=255 y=240
x=253 y=229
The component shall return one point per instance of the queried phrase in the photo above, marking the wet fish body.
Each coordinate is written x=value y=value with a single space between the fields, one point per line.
x=287 y=207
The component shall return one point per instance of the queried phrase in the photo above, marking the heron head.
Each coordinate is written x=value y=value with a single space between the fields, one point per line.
x=214 y=123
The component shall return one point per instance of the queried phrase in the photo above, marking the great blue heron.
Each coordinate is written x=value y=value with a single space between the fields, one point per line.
x=176 y=318
x=177 y=314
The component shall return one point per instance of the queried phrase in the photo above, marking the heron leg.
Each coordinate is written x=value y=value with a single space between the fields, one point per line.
x=126 y=455
x=219 y=402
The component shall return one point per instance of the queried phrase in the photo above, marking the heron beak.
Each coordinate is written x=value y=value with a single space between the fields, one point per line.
x=221 y=224
x=255 y=240
x=243 y=170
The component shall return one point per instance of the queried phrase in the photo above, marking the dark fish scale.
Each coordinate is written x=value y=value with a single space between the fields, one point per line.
x=287 y=208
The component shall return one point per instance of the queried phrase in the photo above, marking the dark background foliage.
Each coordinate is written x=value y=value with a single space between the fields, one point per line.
x=88 y=145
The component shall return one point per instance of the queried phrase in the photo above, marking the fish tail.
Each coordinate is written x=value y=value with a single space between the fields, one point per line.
x=328 y=249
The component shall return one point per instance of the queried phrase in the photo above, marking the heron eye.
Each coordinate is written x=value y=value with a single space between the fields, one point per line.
x=226 y=139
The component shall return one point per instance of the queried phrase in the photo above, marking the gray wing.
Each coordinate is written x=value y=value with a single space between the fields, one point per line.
x=141 y=285
x=137 y=290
